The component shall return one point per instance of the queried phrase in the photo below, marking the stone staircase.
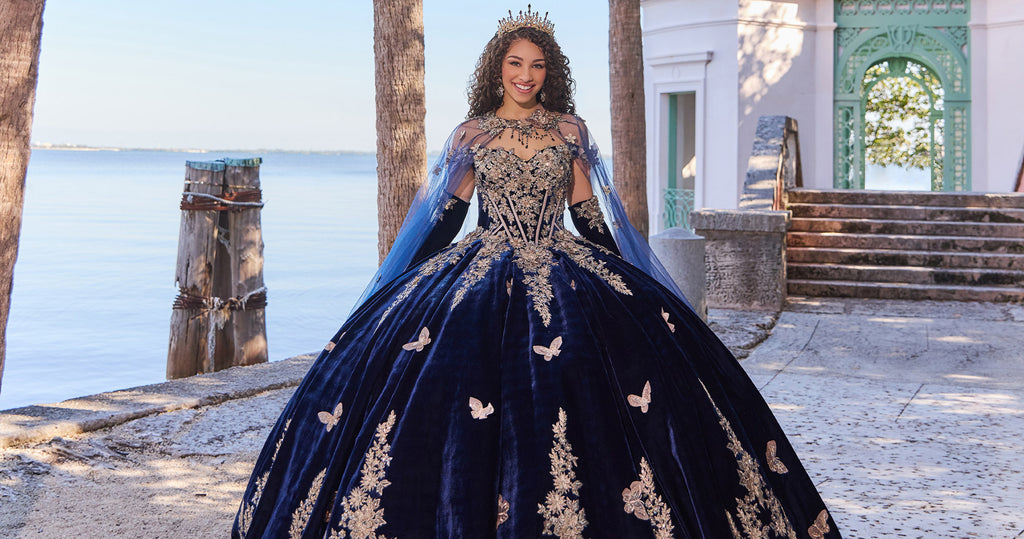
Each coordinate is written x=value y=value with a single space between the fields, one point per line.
x=906 y=245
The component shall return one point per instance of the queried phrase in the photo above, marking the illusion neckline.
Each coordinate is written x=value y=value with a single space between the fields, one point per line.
x=521 y=158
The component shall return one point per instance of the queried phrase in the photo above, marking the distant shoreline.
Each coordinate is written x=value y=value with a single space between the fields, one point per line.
x=82 y=148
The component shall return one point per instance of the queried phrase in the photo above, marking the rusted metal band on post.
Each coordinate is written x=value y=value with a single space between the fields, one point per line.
x=231 y=201
x=257 y=299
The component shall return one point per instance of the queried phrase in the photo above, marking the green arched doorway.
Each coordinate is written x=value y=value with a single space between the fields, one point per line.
x=923 y=42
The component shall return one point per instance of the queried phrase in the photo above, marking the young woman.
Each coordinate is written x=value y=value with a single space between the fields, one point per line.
x=526 y=381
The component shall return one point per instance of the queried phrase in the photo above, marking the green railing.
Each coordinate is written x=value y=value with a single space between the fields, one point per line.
x=678 y=205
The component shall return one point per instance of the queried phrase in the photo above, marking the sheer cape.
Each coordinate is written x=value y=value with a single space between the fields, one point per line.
x=456 y=161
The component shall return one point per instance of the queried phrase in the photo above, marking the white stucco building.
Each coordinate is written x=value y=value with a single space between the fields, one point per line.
x=713 y=67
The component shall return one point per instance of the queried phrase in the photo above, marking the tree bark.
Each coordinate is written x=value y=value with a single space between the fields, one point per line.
x=401 y=109
x=629 y=126
x=21 y=25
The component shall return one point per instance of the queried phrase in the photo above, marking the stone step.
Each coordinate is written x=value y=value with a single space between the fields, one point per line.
x=802 y=287
x=902 y=213
x=889 y=257
x=904 y=241
x=906 y=198
x=907 y=274
x=908 y=227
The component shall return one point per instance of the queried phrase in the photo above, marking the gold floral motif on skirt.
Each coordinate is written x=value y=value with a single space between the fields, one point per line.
x=760 y=501
x=362 y=514
x=644 y=503
x=563 y=516
x=245 y=512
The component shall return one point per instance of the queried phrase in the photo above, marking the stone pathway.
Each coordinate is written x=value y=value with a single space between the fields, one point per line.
x=911 y=414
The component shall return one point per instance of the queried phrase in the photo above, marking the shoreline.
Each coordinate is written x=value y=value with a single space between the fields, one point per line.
x=45 y=422
x=83 y=148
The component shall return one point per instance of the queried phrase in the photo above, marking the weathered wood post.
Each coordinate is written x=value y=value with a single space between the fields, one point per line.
x=191 y=342
x=245 y=252
x=218 y=319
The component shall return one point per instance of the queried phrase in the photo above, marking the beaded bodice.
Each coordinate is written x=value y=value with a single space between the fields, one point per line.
x=523 y=199
x=522 y=175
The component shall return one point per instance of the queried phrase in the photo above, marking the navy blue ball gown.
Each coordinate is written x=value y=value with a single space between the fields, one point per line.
x=528 y=382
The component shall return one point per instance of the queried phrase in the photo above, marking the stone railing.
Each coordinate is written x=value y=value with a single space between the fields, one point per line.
x=774 y=164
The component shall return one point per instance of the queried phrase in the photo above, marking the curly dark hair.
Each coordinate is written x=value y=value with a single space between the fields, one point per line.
x=558 y=84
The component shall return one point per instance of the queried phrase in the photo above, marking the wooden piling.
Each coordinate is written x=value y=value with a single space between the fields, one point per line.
x=245 y=252
x=218 y=320
x=191 y=339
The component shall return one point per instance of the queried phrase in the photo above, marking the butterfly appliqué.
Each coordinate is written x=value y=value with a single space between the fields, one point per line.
x=632 y=497
x=775 y=464
x=550 y=351
x=503 y=507
x=671 y=326
x=330 y=419
x=478 y=410
x=820 y=526
x=418 y=344
x=643 y=400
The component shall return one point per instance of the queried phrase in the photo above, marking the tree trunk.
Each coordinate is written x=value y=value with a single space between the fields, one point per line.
x=21 y=25
x=629 y=126
x=401 y=109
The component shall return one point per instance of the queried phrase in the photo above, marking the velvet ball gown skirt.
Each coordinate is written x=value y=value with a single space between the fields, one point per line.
x=528 y=390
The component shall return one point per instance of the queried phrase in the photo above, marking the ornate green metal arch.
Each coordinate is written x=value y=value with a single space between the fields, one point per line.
x=932 y=33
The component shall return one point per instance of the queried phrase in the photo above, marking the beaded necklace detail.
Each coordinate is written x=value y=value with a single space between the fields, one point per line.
x=531 y=127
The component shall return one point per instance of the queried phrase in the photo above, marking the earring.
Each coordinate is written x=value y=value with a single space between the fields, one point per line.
x=501 y=91
x=541 y=96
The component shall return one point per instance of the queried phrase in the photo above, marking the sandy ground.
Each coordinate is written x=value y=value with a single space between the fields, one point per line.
x=173 y=475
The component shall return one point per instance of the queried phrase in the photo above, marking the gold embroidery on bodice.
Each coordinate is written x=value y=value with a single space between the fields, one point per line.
x=522 y=206
x=523 y=198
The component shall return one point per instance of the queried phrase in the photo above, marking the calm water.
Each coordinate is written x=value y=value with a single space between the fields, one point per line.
x=94 y=280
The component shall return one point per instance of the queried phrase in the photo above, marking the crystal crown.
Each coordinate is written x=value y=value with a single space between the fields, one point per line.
x=530 y=19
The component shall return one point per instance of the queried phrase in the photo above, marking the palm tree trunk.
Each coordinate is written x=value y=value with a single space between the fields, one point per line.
x=629 y=126
x=21 y=25
x=401 y=109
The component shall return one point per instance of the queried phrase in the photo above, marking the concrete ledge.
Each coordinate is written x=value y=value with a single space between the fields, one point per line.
x=767 y=221
x=745 y=257
x=43 y=422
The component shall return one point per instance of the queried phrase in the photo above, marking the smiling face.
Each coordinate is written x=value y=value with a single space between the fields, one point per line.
x=522 y=74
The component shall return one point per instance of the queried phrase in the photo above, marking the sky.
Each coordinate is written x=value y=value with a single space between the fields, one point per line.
x=270 y=74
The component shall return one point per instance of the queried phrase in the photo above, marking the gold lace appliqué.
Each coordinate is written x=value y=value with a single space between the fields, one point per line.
x=446 y=257
x=489 y=253
x=563 y=516
x=590 y=209
x=503 y=507
x=746 y=522
x=644 y=503
x=362 y=514
x=245 y=512
x=525 y=201
x=820 y=526
x=300 y=517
